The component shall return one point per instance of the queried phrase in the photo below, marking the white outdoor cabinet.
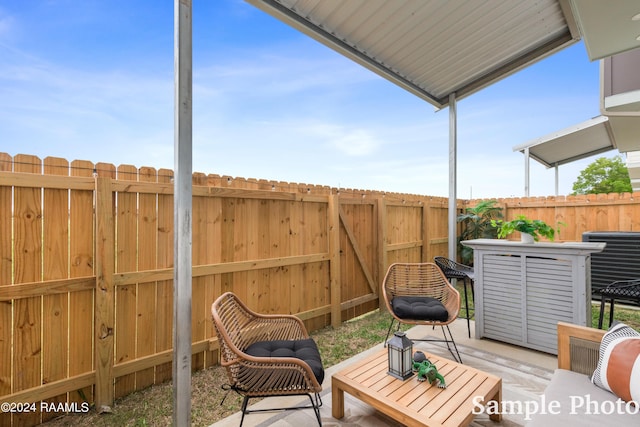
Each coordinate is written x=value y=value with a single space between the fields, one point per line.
x=523 y=290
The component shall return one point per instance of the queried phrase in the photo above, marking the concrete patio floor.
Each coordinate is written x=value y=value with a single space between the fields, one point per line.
x=459 y=331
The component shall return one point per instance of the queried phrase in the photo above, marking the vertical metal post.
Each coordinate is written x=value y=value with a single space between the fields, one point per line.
x=557 y=179
x=182 y=213
x=526 y=172
x=453 y=177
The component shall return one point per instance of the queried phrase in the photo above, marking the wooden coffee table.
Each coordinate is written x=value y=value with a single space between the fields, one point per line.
x=416 y=403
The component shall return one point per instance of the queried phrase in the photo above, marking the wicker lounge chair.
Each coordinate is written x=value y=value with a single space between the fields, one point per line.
x=419 y=294
x=266 y=355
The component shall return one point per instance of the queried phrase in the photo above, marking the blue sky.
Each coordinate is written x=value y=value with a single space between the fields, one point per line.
x=93 y=80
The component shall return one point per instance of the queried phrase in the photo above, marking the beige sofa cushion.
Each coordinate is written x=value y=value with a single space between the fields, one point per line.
x=581 y=403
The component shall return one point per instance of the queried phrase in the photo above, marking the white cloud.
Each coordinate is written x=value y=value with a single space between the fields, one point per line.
x=357 y=142
x=263 y=73
x=7 y=25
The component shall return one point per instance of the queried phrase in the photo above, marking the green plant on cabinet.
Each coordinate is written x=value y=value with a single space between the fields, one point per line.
x=534 y=227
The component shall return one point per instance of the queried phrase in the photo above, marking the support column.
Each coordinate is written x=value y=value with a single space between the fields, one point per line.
x=182 y=213
x=453 y=177
x=526 y=172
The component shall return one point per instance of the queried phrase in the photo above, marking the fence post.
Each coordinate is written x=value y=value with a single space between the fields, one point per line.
x=426 y=238
x=334 y=260
x=382 y=247
x=104 y=303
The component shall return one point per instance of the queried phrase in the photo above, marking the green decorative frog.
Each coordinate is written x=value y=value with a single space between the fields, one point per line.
x=426 y=370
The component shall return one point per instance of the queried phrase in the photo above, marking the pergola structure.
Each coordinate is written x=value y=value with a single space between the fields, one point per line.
x=594 y=136
x=576 y=142
x=439 y=50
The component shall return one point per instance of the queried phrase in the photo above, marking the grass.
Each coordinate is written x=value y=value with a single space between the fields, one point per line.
x=628 y=315
x=153 y=406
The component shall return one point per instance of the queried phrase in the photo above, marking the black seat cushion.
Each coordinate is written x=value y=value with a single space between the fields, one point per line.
x=419 y=308
x=306 y=350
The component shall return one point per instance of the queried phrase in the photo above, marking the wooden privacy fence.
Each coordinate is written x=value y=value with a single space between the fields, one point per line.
x=578 y=214
x=86 y=257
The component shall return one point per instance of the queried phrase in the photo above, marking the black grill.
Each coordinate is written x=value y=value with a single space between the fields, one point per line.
x=620 y=259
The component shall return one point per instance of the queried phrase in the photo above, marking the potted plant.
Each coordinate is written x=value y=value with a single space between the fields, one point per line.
x=476 y=223
x=530 y=229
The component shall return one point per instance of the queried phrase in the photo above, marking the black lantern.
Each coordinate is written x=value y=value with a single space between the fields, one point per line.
x=400 y=350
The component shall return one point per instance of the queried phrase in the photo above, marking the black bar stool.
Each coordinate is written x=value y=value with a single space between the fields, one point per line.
x=623 y=290
x=455 y=270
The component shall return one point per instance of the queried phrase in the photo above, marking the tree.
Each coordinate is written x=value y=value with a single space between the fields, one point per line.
x=604 y=175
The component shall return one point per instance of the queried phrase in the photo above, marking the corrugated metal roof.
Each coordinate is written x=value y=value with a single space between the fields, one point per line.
x=577 y=142
x=434 y=47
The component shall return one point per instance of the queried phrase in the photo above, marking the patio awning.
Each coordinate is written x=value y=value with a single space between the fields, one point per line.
x=633 y=164
x=434 y=48
x=608 y=28
x=626 y=130
x=576 y=142
x=595 y=136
